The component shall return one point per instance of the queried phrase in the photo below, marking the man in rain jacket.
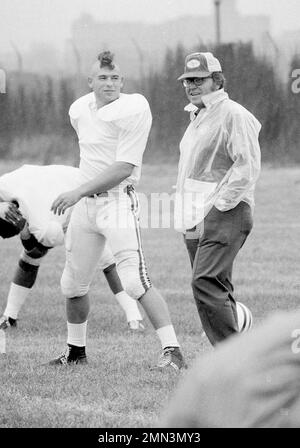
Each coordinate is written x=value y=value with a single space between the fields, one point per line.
x=218 y=168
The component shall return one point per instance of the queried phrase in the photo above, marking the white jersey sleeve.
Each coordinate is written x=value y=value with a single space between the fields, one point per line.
x=35 y=188
x=78 y=107
x=133 y=138
x=132 y=116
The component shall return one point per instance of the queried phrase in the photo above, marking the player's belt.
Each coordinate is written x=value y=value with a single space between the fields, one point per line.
x=104 y=194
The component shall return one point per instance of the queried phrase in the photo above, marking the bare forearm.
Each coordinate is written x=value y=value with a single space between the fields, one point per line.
x=107 y=180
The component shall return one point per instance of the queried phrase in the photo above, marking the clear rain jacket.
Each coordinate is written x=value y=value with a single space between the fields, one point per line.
x=219 y=159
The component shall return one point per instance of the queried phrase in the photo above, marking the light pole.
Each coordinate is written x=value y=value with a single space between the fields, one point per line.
x=19 y=56
x=2 y=90
x=218 y=21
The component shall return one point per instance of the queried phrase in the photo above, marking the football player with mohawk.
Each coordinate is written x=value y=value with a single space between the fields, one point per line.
x=112 y=129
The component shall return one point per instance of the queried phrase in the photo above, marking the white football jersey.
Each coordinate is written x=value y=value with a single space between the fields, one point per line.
x=117 y=132
x=35 y=188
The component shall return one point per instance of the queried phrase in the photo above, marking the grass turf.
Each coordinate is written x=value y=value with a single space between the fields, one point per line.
x=116 y=388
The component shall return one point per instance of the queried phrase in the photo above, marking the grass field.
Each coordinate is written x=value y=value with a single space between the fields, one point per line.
x=116 y=389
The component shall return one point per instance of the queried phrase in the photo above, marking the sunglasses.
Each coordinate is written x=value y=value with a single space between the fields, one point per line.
x=196 y=81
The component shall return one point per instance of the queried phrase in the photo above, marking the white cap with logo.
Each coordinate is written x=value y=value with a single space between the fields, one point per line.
x=200 y=65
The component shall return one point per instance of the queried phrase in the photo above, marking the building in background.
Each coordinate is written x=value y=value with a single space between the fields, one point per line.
x=141 y=47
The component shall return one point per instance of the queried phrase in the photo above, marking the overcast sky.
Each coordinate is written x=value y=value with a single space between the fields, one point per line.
x=27 y=21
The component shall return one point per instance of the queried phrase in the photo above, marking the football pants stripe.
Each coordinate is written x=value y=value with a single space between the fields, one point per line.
x=142 y=264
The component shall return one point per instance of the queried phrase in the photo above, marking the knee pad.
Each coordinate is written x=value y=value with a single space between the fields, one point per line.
x=133 y=273
x=131 y=282
x=70 y=288
x=133 y=287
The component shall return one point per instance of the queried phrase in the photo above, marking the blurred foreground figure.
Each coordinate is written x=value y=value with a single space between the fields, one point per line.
x=248 y=381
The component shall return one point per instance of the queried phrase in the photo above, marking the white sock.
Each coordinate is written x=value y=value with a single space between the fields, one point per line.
x=167 y=336
x=77 y=334
x=129 y=305
x=16 y=298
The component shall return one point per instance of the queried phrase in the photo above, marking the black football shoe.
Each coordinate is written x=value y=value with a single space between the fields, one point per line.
x=171 y=357
x=6 y=322
x=72 y=355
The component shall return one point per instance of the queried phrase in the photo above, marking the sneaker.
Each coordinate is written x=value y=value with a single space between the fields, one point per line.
x=136 y=326
x=69 y=357
x=171 y=356
x=6 y=322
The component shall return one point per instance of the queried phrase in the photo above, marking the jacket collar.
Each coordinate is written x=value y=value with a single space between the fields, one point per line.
x=208 y=100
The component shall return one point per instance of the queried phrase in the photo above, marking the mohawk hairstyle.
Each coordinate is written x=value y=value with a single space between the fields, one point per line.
x=106 y=59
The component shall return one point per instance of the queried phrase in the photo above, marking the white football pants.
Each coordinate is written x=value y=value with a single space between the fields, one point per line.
x=112 y=218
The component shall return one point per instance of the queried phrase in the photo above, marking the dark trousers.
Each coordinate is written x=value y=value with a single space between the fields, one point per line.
x=212 y=256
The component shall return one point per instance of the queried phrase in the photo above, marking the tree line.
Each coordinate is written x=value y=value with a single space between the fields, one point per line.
x=34 y=122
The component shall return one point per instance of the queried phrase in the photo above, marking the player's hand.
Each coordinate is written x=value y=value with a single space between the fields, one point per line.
x=10 y=212
x=64 y=201
x=25 y=233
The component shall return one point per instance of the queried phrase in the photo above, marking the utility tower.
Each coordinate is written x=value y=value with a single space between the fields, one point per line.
x=218 y=21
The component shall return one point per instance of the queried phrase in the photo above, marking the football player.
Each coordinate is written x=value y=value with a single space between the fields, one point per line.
x=26 y=195
x=112 y=130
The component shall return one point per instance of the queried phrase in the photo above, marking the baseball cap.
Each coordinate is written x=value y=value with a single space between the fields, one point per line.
x=200 y=65
x=8 y=230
